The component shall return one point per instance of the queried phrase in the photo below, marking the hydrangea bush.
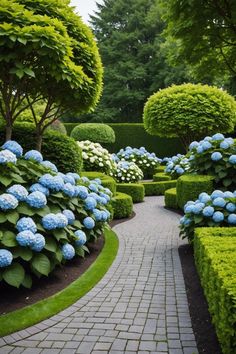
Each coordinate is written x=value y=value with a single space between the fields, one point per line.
x=126 y=172
x=217 y=209
x=95 y=157
x=176 y=165
x=46 y=216
x=145 y=160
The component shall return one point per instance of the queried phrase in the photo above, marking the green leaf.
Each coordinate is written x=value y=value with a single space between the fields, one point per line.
x=50 y=245
x=59 y=234
x=27 y=282
x=2 y=218
x=44 y=211
x=59 y=255
x=6 y=181
x=77 y=223
x=29 y=72
x=41 y=264
x=14 y=275
x=22 y=40
x=198 y=219
x=227 y=182
x=20 y=73
x=80 y=252
x=26 y=210
x=23 y=252
x=9 y=239
x=12 y=217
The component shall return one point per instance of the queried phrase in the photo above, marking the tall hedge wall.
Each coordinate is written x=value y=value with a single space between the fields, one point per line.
x=134 y=135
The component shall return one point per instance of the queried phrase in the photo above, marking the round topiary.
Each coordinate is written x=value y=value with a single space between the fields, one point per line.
x=122 y=205
x=189 y=112
x=95 y=132
x=58 y=126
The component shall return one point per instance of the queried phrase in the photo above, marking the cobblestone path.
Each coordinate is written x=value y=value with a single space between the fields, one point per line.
x=140 y=306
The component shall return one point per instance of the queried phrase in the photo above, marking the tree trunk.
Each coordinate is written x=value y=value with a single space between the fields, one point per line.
x=39 y=139
x=8 y=134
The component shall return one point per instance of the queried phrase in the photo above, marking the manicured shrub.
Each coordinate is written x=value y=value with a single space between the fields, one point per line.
x=160 y=168
x=161 y=176
x=190 y=186
x=135 y=190
x=158 y=188
x=215 y=209
x=177 y=166
x=171 y=198
x=189 y=112
x=145 y=160
x=215 y=156
x=122 y=205
x=95 y=157
x=126 y=172
x=95 y=132
x=46 y=216
x=58 y=126
x=215 y=257
x=107 y=181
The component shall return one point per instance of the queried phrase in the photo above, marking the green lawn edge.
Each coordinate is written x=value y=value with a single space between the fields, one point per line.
x=30 y=315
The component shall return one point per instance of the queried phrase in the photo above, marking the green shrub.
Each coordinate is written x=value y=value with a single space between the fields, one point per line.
x=189 y=112
x=159 y=169
x=190 y=186
x=171 y=198
x=215 y=258
x=158 y=188
x=95 y=132
x=161 y=176
x=107 y=181
x=122 y=205
x=135 y=190
x=58 y=148
x=58 y=126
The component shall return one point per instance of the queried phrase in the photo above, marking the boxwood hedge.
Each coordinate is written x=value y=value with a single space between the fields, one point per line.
x=135 y=190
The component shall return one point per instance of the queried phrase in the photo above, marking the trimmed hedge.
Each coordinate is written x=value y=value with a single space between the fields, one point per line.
x=159 y=168
x=58 y=148
x=161 y=176
x=135 y=190
x=107 y=181
x=190 y=186
x=122 y=205
x=158 y=188
x=95 y=132
x=215 y=257
x=171 y=198
x=134 y=135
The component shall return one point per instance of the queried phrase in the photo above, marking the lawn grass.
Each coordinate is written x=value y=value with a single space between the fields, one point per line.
x=30 y=315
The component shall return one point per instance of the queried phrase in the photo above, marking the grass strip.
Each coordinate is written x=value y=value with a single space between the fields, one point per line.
x=30 y=315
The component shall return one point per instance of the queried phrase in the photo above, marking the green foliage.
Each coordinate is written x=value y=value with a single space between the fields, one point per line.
x=107 y=181
x=161 y=176
x=58 y=126
x=122 y=205
x=158 y=188
x=190 y=186
x=135 y=190
x=189 y=112
x=215 y=257
x=171 y=198
x=95 y=132
x=160 y=169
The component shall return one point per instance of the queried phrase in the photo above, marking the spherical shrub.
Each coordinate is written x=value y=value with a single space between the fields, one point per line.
x=95 y=132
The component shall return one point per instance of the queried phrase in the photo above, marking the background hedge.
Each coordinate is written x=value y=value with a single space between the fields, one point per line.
x=171 y=198
x=158 y=188
x=135 y=190
x=95 y=132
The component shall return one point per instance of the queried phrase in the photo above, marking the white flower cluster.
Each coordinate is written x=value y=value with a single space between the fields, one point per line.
x=127 y=172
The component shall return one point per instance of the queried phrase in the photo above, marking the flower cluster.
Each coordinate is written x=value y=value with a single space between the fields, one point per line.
x=7 y=156
x=217 y=209
x=19 y=192
x=6 y=258
x=95 y=157
x=14 y=147
x=177 y=165
x=127 y=172
x=34 y=155
x=145 y=160
x=8 y=202
x=216 y=156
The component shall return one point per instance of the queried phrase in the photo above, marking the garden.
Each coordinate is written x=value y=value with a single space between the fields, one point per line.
x=66 y=183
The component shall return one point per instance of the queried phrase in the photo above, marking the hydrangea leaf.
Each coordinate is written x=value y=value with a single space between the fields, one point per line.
x=12 y=217
x=14 y=275
x=9 y=239
x=41 y=264
x=25 y=253
x=50 y=245
x=27 y=282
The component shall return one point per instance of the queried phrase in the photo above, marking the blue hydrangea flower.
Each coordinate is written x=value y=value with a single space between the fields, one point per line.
x=186 y=221
x=26 y=238
x=217 y=193
x=97 y=214
x=36 y=200
x=69 y=190
x=189 y=208
x=104 y=215
x=200 y=149
x=62 y=220
x=84 y=179
x=218 y=216
x=90 y=203
x=218 y=136
x=68 y=251
x=208 y=211
x=230 y=141
x=232 y=219
x=197 y=208
x=39 y=243
x=107 y=191
x=14 y=147
x=106 y=196
x=230 y=207
x=206 y=145
x=37 y=187
x=102 y=200
x=228 y=194
x=19 y=192
x=6 y=258
x=207 y=138
x=204 y=197
x=93 y=187
x=220 y=202
x=193 y=145
x=81 y=238
x=232 y=159
x=224 y=145
x=26 y=223
x=50 y=165
x=8 y=201
x=216 y=156
x=81 y=192
x=69 y=215
x=34 y=155
x=76 y=176
x=7 y=156
x=50 y=221
x=68 y=178
x=97 y=180
x=55 y=183
x=88 y=223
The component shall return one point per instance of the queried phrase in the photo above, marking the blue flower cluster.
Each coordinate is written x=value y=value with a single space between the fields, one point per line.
x=68 y=251
x=36 y=200
x=6 y=258
x=54 y=221
x=7 y=156
x=8 y=202
x=19 y=192
x=14 y=147
x=80 y=238
x=49 y=165
x=216 y=209
x=28 y=235
x=34 y=155
x=176 y=165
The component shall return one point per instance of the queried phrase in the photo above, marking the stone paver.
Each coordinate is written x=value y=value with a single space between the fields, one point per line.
x=140 y=305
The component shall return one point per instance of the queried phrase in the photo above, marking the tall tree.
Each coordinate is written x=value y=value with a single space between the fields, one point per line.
x=204 y=33
x=128 y=35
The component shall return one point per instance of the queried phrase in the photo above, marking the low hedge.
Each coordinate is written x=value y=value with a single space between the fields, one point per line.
x=95 y=132
x=158 y=188
x=107 y=181
x=135 y=190
x=190 y=186
x=171 y=198
x=159 y=168
x=161 y=176
x=215 y=257
x=122 y=205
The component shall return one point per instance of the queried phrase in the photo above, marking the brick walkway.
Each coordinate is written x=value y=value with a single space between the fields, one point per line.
x=140 y=305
